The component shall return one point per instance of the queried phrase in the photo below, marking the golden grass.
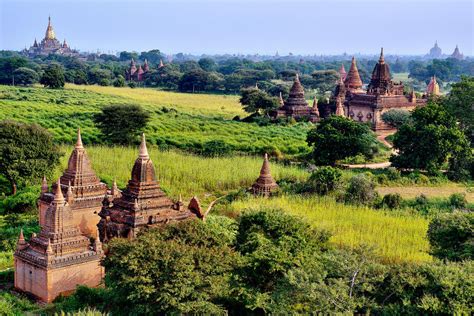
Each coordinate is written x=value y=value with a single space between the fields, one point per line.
x=226 y=106
x=395 y=237
x=444 y=191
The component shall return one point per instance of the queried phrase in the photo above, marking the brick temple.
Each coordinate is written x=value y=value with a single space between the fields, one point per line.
x=382 y=94
x=295 y=106
x=136 y=74
x=265 y=185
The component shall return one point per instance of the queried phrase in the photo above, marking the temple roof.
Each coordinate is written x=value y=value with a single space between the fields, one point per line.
x=433 y=87
x=49 y=35
x=296 y=96
x=353 y=81
x=380 y=81
x=457 y=54
x=342 y=72
x=265 y=182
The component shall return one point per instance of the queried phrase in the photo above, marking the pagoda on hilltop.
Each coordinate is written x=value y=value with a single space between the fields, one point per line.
x=82 y=188
x=382 y=95
x=49 y=45
x=59 y=258
x=142 y=204
x=264 y=185
x=295 y=106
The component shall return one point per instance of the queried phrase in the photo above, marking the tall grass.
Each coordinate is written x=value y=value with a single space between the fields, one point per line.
x=394 y=236
x=181 y=173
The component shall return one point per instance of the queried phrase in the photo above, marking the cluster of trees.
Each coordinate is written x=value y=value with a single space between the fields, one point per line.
x=265 y=262
x=446 y=70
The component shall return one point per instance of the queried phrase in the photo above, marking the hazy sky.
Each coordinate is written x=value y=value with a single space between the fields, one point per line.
x=232 y=26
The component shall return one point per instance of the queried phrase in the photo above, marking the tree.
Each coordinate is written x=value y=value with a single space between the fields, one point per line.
x=360 y=190
x=8 y=66
x=199 y=80
x=53 y=77
x=257 y=101
x=429 y=139
x=25 y=76
x=119 y=82
x=27 y=153
x=396 y=117
x=324 y=180
x=337 y=137
x=460 y=102
x=451 y=236
x=121 y=124
x=207 y=64
x=184 y=266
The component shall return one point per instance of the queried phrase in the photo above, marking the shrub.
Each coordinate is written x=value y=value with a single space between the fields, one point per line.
x=22 y=202
x=215 y=148
x=392 y=201
x=393 y=174
x=396 y=117
x=451 y=236
x=382 y=179
x=324 y=180
x=422 y=204
x=457 y=200
x=132 y=84
x=360 y=190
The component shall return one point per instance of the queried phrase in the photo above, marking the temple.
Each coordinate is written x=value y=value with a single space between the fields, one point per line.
x=296 y=106
x=82 y=188
x=382 y=94
x=142 y=204
x=60 y=257
x=432 y=89
x=136 y=74
x=435 y=51
x=50 y=45
x=457 y=54
x=264 y=185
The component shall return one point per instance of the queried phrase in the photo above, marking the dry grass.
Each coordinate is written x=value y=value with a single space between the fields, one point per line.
x=444 y=191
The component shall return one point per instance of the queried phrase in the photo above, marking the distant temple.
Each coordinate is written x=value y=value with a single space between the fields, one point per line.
x=382 y=94
x=457 y=54
x=50 y=45
x=264 y=185
x=142 y=204
x=435 y=51
x=432 y=89
x=296 y=106
x=137 y=74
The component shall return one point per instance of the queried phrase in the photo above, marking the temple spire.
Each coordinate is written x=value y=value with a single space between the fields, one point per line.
x=353 y=81
x=58 y=196
x=381 y=59
x=79 y=139
x=282 y=102
x=44 y=185
x=143 y=150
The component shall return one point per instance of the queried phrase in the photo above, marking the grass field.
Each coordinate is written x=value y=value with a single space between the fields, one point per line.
x=444 y=191
x=180 y=120
x=394 y=236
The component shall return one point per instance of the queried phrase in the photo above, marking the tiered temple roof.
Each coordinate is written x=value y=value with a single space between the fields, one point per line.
x=342 y=72
x=435 y=51
x=457 y=54
x=265 y=184
x=353 y=82
x=433 y=87
x=381 y=82
x=141 y=204
x=136 y=74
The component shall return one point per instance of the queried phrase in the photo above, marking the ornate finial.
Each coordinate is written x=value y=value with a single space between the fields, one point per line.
x=58 y=196
x=381 y=59
x=161 y=64
x=143 y=150
x=69 y=195
x=256 y=85
x=315 y=102
x=114 y=188
x=79 y=139
x=180 y=199
x=21 y=239
x=44 y=185
x=49 y=249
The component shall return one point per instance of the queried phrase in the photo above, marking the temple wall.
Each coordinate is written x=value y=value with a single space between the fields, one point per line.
x=42 y=207
x=361 y=113
x=87 y=219
x=31 y=279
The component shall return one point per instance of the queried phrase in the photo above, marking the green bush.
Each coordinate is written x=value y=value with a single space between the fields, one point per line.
x=458 y=200
x=360 y=190
x=393 y=174
x=324 y=180
x=392 y=201
x=22 y=202
x=215 y=148
x=451 y=236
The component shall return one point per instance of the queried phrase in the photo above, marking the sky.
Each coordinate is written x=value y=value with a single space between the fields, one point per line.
x=308 y=27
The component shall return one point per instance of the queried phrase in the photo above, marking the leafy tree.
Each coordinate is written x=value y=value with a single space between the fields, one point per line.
x=396 y=117
x=199 y=80
x=215 y=148
x=53 y=77
x=360 y=190
x=27 y=153
x=185 y=267
x=152 y=56
x=392 y=200
x=324 y=180
x=207 y=64
x=323 y=80
x=119 y=82
x=257 y=101
x=429 y=139
x=127 y=56
x=460 y=102
x=8 y=65
x=337 y=137
x=451 y=236
x=121 y=124
x=25 y=76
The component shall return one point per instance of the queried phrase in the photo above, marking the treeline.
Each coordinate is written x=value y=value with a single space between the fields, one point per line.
x=218 y=74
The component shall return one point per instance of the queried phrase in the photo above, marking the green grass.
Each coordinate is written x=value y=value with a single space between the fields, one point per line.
x=180 y=120
x=394 y=236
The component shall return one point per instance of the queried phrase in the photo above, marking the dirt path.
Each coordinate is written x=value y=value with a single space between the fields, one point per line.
x=378 y=165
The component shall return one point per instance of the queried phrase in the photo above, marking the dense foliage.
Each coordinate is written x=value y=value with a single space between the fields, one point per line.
x=53 y=77
x=396 y=117
x=337 y=137
x=27 y=153
x=257 y=101
x=460 y=102
x=429 y=139
x=121 y=124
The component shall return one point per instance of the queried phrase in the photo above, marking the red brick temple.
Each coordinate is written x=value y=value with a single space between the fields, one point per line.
x=265 y=185
x=295 y=106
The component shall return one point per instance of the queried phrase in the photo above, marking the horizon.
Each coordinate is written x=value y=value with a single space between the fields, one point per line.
x=114 y=26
